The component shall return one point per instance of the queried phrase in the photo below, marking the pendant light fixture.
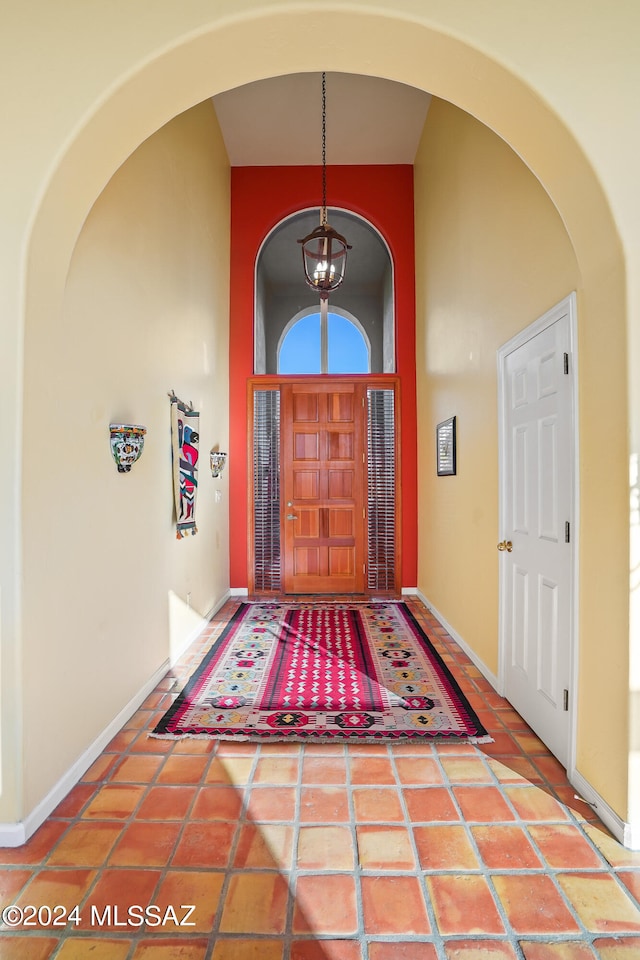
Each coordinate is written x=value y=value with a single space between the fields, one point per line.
x=324 y=251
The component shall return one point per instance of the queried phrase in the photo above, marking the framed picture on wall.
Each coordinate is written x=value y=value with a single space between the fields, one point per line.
x=446 y=447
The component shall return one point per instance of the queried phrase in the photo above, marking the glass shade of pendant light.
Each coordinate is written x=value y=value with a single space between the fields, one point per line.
x=324 y=250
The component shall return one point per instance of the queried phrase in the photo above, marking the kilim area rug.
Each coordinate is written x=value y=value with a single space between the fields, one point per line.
x=297 y=671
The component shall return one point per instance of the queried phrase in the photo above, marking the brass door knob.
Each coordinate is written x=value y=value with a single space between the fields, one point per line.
x=505 y=545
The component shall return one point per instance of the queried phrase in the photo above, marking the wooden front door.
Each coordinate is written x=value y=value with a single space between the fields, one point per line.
x=323 y=487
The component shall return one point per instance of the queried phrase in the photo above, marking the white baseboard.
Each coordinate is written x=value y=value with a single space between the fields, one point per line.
x=197 y=630
x=475 y=659
x=632 y=836
x=410 y=592
x=15 y=834
x=239 y=592
x=12 y=834
x=625 y=833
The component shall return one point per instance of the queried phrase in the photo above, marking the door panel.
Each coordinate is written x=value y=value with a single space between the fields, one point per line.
x=520 y=520
x=305 y=407
x=340 y=484
x=548 y=479
x=548 y=660
x=323 y=472
x=306 y=484
x=308 y=525
x=341 y=523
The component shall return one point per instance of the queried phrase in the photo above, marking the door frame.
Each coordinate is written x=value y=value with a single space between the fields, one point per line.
x=565 y=308
x=370 y=381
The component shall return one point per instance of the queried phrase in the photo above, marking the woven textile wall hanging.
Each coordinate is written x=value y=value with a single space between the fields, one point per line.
x=185 y=439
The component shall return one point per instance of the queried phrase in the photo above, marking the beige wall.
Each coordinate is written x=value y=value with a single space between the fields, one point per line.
x=145 y=311
x=492 y=256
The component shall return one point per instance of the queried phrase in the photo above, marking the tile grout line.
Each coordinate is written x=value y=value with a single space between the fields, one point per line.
x=489 y=872
x=435 y=935
x=509 y=933
x=229 y=872
x=357 y=864
x=292 y=884
x=546 y=871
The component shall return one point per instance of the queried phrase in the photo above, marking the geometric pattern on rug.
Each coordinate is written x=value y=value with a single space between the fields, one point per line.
x=326 y=671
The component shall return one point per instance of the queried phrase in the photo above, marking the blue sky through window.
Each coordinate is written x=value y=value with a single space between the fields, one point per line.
x=300 y=351
x=347 y=350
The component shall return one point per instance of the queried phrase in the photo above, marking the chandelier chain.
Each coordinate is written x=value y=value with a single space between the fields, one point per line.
x=324 y=251
x=324 y=148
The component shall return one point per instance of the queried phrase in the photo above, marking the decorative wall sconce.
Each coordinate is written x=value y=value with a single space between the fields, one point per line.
x=218 y=461
x=127 y=442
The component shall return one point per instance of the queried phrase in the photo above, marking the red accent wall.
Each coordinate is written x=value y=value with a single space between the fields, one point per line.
x=260 y=198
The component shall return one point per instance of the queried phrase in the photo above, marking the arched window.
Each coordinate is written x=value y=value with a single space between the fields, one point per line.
x=313 y=343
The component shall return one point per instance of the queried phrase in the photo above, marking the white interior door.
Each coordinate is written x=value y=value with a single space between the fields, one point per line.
x=538 y=445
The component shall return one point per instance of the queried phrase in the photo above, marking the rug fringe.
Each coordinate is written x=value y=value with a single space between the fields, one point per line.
x=315 y=738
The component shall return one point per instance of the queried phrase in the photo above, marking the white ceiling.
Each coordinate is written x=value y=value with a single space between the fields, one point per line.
x=279 y=121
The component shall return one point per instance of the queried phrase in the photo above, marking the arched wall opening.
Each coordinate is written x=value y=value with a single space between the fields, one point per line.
x=137 y=99
x=367 y=294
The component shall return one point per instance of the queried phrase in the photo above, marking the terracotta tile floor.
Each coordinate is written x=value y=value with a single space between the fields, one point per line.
x=408 y=851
